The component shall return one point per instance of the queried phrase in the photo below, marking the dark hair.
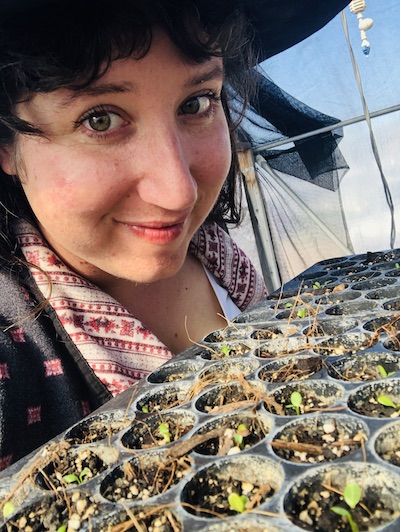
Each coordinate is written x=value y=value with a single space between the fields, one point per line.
x=71 y=44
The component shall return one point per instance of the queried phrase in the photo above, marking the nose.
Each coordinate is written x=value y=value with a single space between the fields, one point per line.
x=167 y=179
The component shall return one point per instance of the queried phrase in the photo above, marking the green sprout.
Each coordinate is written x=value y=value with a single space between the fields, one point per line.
x=397 y=265
x=239 y=436
x=288 y=305
x=302 y=312
x=386 y=401
x=62 y=528
x=145 y=409
x=77 y=479
x=296 y=400
x=164 y=430
x=237 y=502
x=317 y=284
x=351 y=496
x=383 y=372
x=226 y=350
x=8 y=509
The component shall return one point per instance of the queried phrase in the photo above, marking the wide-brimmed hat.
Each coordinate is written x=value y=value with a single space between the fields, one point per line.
x=279 y=24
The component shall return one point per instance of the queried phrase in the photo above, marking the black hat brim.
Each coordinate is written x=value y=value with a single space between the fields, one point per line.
x=279 y=24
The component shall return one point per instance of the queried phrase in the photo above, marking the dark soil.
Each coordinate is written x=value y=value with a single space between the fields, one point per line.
x=223 y=351
x=73 y=510
x=227 y=398
x=317 y=440
x=312 y=400
x=297 y=369
x=147 y=434
x=154 y=520
x=162 y=401
x=210 y=492
x=311 y=509
x=138 y=480
x=65 y=462
x=225 y=444
x=96 y=430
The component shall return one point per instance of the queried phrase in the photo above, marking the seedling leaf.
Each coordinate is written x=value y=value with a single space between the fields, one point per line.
x=345 y=513
x=164 y=430
x=383 y=372
x=226 y=350
x=8 y=509
x=340 y=511
x=385 y=401
x=237 y=502
x=296 y=398
x=145 y=409
x=352 y=494
x=71 y=479
x=240 y=434
x=75 y=479
x=84 y=473
x=302 y=312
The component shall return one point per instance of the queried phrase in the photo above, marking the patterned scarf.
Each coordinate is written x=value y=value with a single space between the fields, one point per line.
x=118 y=347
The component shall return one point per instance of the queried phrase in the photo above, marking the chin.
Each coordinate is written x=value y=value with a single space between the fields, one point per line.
x=151 y=273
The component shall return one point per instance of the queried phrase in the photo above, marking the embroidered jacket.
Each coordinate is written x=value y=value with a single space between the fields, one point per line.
x=59 y=365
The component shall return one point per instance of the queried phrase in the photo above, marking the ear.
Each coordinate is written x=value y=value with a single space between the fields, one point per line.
x=7 y=162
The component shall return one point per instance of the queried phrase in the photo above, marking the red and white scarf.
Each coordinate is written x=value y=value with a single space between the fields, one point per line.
x=117 y=346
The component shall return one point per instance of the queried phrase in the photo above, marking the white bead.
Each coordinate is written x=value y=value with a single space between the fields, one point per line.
x=365 y=24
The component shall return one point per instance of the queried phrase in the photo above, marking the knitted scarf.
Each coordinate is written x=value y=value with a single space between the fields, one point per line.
x=117 y=346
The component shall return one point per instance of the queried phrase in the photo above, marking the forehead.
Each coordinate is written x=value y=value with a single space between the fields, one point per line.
x=163 y=73
x=163 y=64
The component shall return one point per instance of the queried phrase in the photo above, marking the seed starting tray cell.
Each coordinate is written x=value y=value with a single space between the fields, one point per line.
x=264 y=425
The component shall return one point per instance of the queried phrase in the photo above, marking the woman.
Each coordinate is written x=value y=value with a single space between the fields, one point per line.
x=119 y=169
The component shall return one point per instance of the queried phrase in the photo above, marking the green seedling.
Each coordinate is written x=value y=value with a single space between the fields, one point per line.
x=351 y=496
x=383 y=372
x=226 y=350
x=145 y=409
x=296 y=400
x=240 y=434
x=386 y=401
x=237 y=502
x=62 y=528
x=302 y=312
x=8 y=509
x=317 y=284
x=288 y=305
x=77 y=479
x=397 y=265
x=164 y=430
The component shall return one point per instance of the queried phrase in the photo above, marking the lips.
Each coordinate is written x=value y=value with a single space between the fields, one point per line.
x=157 y=232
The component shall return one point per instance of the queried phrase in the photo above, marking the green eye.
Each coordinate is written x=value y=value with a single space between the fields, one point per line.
x=198 y=104
x=191 y=107
x=100 y=122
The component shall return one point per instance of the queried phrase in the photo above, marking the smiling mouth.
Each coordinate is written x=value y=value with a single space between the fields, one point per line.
x=157 y=232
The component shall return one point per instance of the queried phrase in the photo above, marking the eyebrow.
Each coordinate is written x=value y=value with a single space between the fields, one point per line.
x=100 y=89
x=217 y=72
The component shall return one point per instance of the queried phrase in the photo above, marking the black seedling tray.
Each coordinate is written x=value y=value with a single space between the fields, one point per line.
x=220 y=418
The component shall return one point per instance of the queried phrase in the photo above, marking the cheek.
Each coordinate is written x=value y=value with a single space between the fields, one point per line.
x=55 y=181
x=215 y=158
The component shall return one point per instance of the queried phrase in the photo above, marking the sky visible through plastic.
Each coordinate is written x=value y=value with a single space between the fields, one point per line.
x=319 y=72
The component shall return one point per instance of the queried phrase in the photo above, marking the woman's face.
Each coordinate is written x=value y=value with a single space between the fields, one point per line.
x=130 y=167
